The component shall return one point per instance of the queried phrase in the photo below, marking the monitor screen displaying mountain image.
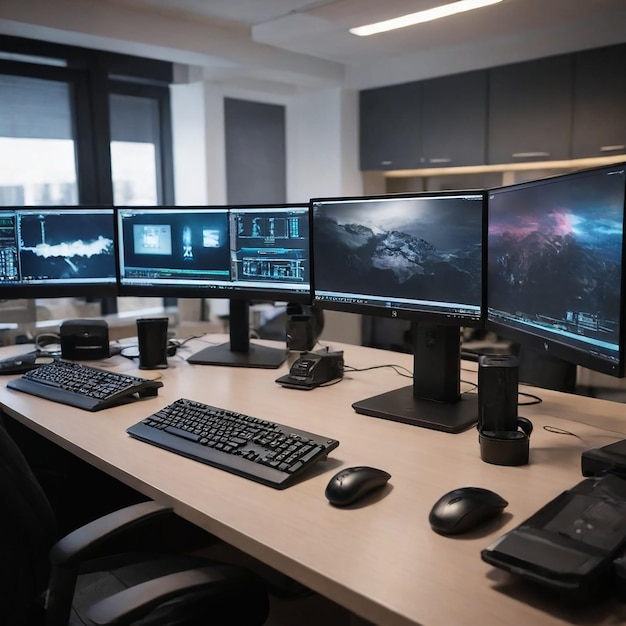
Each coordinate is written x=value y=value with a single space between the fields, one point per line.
x=417 y=257
x=555 y=266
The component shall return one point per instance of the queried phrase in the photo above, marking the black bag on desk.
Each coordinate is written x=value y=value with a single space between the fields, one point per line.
x=573 y=544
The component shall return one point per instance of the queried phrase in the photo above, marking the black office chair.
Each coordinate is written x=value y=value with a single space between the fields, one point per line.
x=79 y=580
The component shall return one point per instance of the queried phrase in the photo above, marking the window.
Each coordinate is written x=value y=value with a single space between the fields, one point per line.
x=83 y=127
x=80 y=126
x=137 y=136
x=37 y=147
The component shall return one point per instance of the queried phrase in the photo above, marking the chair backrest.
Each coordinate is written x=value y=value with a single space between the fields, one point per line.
x=27 y=532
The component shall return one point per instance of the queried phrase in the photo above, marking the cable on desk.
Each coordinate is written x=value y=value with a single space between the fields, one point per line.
x=534 y=399
x=473 y=386
x=396 y=368
x=49 y=343
x=181 y=342
x=560 y=431
x=406 y=373
x=331 y=383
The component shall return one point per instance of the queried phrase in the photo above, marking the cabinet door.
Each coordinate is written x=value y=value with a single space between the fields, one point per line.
x=390 y=127
x=455 y=120
x=530 y=110
x=599 y=102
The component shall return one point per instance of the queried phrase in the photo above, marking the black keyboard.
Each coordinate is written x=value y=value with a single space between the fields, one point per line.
x=84 y=386
x=254 y=448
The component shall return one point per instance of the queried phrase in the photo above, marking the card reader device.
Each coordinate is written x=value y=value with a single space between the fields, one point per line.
x=313 y=369
x=575 y=545
x=609 y=459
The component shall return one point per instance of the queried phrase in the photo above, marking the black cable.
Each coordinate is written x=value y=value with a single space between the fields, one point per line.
x=535 y=399
x=396 y=368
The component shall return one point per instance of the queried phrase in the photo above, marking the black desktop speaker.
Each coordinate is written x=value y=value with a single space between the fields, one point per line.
x=497 y=393
x=84 y=340
x=304 y=326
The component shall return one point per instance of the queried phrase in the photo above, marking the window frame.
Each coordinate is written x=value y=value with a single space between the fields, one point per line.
x=93 y=76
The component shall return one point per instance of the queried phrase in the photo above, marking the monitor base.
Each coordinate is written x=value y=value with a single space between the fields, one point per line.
x=400 y=406
x=256 y=356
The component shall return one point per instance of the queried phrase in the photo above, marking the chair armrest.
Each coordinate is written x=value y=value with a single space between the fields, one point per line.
x=125 y=607
x=84 y=541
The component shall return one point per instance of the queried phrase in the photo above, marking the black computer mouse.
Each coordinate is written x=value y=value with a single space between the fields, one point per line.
x=465 y=509
x=351 y=484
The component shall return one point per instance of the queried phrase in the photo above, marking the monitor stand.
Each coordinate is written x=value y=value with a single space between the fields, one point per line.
x=434 y=400
x=544 y=370
x=239 y=352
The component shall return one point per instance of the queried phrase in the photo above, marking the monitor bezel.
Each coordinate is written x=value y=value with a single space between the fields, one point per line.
x=225 y=291
x=104 y=289
x=548 y=344
x=410 y=314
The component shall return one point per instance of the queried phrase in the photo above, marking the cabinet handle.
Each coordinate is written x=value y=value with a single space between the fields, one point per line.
x=528 y=155
x=618 y=146
x=440 y=160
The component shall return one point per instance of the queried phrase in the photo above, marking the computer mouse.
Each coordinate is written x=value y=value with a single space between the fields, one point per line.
x=465 y=509
x=351 y=484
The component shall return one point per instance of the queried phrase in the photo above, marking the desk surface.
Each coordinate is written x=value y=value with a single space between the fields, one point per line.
x=381 y=561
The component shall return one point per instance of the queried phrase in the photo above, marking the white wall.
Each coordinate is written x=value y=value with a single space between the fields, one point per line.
x=321 y=141
x=322 y=145
x=322 y=149
x=189 y=143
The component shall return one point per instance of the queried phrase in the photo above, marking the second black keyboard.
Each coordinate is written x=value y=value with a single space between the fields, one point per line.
x=260 y=450
x=83 y=386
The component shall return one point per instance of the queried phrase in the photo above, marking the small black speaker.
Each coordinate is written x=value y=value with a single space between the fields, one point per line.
x=497 y=393
x=84 y=340
x=304 y=326
x=300 y=333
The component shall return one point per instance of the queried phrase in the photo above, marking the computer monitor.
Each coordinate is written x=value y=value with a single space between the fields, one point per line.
x=243 y=253
x=52 y=252
x=173 y=251
x=555 y=280
x=417 y=257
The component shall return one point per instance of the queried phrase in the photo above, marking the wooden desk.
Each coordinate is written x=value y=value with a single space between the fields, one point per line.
x=381 y=561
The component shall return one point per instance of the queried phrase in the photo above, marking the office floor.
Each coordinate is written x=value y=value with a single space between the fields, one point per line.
x=313 y=611
x=290 y=604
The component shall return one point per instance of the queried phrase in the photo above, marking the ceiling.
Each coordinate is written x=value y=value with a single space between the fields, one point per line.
x=319 y=28
x=312 y=35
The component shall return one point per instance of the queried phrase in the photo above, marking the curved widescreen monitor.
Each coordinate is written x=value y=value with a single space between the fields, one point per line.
x=555 y=278
x=241 y=253
x=57 y=252
x=417 y=257
x=246 y=252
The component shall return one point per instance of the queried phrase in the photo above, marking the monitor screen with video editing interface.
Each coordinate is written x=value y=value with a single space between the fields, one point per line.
x=242 y=253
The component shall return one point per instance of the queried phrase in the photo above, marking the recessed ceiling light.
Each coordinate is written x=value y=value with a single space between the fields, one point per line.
x=421 y=16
